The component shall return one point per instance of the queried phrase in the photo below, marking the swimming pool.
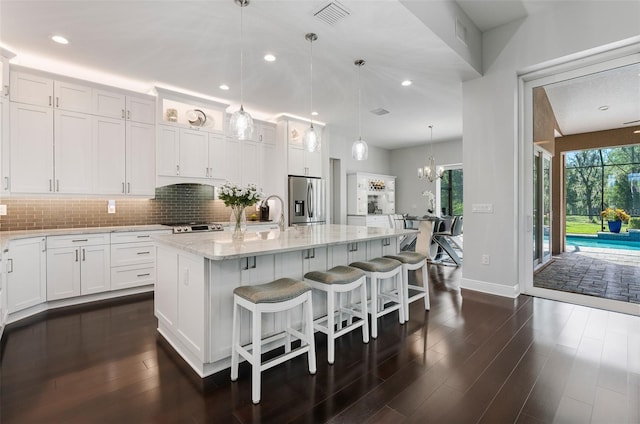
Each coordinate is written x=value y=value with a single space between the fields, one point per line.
x=591 y=241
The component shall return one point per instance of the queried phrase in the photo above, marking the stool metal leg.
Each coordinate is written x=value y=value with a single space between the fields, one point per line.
x=235 y=341
x=287 y=334
x=311 y=354
x=256 y=350
x=331 y=313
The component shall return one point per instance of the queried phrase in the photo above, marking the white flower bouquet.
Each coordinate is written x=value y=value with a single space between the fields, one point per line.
x=431 y=200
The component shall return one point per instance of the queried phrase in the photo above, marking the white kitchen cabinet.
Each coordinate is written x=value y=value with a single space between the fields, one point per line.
x=78 y=265
x=217 y=157
x=5 y=164
x=73 y=152
x=133 y=259
x=194 y=153
x=31 y=147
x=4 y=73
x=26 y=273
x=181 y=294
x=264 y=132
x=251 y=162
x=109 y=165
x=43 y=91
x=112 y=104
x=168 y=150
x=3 y=295
x=300 y=161
x=233 y=153
x=140 y=176
x=270 y=169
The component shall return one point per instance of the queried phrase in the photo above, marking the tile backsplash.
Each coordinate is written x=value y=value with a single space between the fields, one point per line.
x=172 y=204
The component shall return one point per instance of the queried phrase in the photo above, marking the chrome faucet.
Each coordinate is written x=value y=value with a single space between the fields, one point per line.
x=281 y=221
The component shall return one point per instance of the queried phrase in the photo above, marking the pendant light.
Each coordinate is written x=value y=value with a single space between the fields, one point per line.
x=429 y=171
x=359 y=148
x=241 y=122
x=311 y=138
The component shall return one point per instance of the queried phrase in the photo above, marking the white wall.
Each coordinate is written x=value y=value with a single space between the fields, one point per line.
x=340 y=148
x=404 y=165
x=490 y=125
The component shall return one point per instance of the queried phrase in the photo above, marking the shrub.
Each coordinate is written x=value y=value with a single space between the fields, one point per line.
x=634 y=223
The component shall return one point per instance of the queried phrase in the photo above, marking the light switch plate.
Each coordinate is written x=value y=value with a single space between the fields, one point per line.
x=3 y=210
x=482 y=208
x=111 y=206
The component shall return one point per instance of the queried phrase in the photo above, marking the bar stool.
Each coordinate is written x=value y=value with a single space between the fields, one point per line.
x=378 y=269
x=277 y=296
x=338 y=280
x=412 y=261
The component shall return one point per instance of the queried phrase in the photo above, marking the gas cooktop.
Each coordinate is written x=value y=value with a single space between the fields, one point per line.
x=194 y=228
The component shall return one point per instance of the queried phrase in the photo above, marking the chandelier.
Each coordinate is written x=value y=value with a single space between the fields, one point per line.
x=429 y=171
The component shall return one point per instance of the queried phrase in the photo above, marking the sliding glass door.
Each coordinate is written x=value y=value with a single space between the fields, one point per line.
x=541 y=207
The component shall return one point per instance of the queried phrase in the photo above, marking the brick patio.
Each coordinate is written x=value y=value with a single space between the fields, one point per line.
x=608 y=273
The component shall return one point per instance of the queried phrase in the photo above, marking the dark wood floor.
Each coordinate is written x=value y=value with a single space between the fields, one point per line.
x=473 y=358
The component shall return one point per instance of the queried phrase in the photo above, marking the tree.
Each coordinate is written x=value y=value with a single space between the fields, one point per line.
x=587 y=167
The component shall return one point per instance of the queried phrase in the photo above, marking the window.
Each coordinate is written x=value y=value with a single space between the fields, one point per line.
x=451 y=192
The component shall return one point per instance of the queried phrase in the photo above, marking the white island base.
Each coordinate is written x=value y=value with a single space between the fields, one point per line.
x=196 y=275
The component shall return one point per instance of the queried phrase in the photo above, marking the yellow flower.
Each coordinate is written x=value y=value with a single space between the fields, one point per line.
x=611 y=214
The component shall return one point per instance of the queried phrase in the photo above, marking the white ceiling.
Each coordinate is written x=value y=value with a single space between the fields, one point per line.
x=195 y=46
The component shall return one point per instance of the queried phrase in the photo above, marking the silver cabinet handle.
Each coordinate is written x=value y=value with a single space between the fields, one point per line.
x=386 y=242
x=144 y=275
x=84 y=257
x=6 y=90
x=57 y=101
x=146 y=236
x=177 y=169
x=57 y=185
x=311 y=254
x=50 y=184
x=76 y=255
x=128 y=114
x=6 y=183
x=143 y=253
x=123 y=187
x=10 y=266
x=122 y=113
x=79 y=240
x=128 y=187
x=49 y=100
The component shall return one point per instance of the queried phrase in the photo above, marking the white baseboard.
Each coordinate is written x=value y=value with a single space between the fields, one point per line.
x=490 y=288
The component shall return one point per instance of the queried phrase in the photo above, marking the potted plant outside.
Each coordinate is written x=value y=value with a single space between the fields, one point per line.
x=614 y=218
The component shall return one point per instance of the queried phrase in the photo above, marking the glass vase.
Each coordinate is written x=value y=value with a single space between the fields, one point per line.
x=237 y=221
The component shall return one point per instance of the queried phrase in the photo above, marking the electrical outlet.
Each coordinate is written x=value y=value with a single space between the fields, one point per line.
x=486 y=259
x=3 y=210
x=111 y=206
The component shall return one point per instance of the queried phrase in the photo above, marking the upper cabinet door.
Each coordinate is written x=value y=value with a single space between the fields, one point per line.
x=168 y=151
x=109 y=155
x=109 y=104
x=74 y=153
x=141 y=109
x=72 y=97
x=194 y=153
x=140 y=160
x=31 y=89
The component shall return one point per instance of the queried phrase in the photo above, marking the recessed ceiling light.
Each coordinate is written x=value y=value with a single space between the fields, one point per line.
x=224 y=87
x=314 y=113
x=59 y=39
x=269 y=58
x=605 y=107
x=406 y=83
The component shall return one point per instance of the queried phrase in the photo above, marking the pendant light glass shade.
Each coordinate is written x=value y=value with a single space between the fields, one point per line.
x=430 y=172
x=311 y=137
x=359 y=148
x=241 y=123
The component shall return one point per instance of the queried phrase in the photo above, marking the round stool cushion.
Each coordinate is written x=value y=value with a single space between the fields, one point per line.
x=408 y=257
x=337 y=275
x=279 y=290
x=378 y=265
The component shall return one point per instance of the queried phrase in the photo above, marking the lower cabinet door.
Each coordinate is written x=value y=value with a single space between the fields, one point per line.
x=95 y=275
x=26 y=274
x=63 y=273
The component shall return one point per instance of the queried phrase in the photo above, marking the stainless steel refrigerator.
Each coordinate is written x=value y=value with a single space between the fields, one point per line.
x=306 y=201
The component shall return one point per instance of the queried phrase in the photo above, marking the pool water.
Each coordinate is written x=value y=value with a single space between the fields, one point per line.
x=586 y=241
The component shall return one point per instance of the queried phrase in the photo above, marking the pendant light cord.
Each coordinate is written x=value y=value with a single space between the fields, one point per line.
x=242 y=5
x=359 y=103
x=311 y=83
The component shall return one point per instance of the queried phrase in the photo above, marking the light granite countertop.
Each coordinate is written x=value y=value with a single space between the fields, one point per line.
x=221 y=245
x=7 y=236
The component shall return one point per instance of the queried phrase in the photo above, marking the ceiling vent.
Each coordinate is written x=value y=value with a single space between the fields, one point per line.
x=380 y=111
x=332 y=13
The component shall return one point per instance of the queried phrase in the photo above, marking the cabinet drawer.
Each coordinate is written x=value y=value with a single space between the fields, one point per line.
x=77 y=240
x=135 y=236
x=132 y=276
x=132 y=253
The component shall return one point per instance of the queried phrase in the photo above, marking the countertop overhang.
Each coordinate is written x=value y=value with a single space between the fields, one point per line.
x=219 y=246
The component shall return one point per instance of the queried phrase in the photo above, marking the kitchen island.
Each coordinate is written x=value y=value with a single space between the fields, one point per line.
x=196 y=275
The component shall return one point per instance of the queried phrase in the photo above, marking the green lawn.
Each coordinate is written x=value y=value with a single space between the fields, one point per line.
x=582 y=225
